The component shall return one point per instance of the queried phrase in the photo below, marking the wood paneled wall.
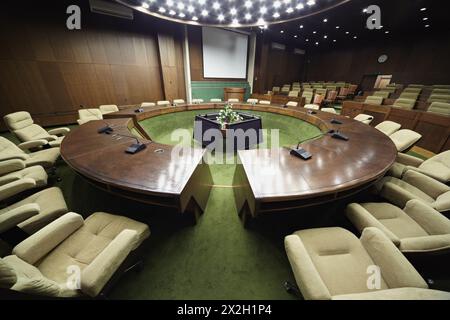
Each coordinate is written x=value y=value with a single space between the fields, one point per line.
x=276 y=67
x=420 y=59
x=50 y=71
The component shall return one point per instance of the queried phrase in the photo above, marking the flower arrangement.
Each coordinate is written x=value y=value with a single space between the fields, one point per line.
x=228 y=116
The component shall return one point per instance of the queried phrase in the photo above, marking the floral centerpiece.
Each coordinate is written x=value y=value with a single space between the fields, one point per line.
x=228 y=116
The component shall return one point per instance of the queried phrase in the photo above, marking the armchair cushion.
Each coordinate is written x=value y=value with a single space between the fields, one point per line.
x=13 y=188
x=36 y=173
x=388 y=127
x=404 y=139
x=95 y=276
x=32 y=144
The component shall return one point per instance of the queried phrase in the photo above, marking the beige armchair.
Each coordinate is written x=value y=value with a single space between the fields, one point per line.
x=405 y=139
x=108 y=108
x=15 y=178
x=24 y=128
x=437 y=167
x=87 y=115
x=332 y=264
x=34 y=212
x=417 y=228
x=388 y=127
x=45 y=158
x=415 y=185
x=97 y=247
x=163 y=103
x=364 y=118
x=377 y=100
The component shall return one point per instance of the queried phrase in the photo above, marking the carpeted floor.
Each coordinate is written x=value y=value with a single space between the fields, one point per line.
x=217 y=258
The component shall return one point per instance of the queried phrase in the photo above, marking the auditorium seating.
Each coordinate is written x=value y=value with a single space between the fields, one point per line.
x=409 y=95
x=293 y=94
x=292 y=104
x=252 y=101
x=233 y=100
x=437 y=167
x=34 y=212
x=24 y=128
x=364 y=118
x=405 y=139
x=412 y=90
x=333 y=264
x=312 y=106
x=383 y=94
x=45 y=158
x=197 y=101
x=276 y=89
x=388 y=127
x=374 y=100
x=109 y=108
x=404 y=103
x=86 y=115
x=98 y=246
x=264 y=102
x=415 y=185
x=308 y=96
x=440 y=108
x=439 y=98
x=215 y=100
x=329 y=110
x=417 y=228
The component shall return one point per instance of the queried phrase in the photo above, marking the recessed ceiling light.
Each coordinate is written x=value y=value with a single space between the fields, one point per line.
x=220 y=17
x=346 y=32
x=355 y=37
x=180 y=6
x=423 y=9
x=289 y=10
x=276 y=15
x=334 y=40
x=216 y=6
x=365 y=10
x=282 y=31
x=307 y=40
x=314 y=32
x=427 y=26
x=301 y=26
x=425 y=19
x=300 y=6
x=248 y=16
x=169 y=3
x=325 y=37
x=337 y=27
x=263 y=10
x=194 y=18
x=235 y=22
x=145 y=5
x=311 y=2
x=296 y=36
x=204 y=13
x=317 y=43
x=162 y=9
x=277 y=4
x=190 y=9
x=386 y=32
x=233 y=11
x=248 y=4
x=202 y=2
x=325 y=20
x=172 y=12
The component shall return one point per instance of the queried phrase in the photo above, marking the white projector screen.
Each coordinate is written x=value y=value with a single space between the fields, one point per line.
x=224 y=54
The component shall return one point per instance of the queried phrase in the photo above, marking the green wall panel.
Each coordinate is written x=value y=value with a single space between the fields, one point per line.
x=207 y=90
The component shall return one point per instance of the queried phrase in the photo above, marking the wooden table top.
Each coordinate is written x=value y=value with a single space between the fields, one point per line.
x=102 y=157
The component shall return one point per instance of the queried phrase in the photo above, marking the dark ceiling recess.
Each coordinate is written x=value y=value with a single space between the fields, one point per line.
x=347 y=23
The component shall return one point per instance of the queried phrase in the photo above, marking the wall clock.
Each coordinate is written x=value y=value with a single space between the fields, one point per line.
x=382 y=59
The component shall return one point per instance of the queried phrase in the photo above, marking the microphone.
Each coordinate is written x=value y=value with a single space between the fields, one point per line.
x=305 y=155
x=136 y=147
x=106 y=129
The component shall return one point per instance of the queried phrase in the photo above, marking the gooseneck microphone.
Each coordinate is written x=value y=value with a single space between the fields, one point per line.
x=135 y=147
x=305 y=155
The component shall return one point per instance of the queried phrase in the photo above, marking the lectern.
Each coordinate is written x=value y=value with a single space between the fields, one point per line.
x=234 y=93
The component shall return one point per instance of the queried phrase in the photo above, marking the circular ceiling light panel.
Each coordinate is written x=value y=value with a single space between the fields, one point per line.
x=232 y=13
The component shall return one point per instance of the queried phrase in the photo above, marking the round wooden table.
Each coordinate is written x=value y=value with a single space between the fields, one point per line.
x=265 y=180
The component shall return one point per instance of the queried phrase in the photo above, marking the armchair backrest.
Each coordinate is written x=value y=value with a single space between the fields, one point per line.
x=405 y=103
x=90 y=115
x=108 y=108
x=9 y=148
x=440 y=107
x=22 y=125
x=374 y=100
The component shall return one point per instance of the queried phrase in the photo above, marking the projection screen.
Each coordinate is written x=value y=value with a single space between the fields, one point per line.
x=224 y=54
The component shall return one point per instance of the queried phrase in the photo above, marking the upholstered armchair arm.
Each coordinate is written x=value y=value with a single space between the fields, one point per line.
x=395 y=269
x=97 y=274
x=45 y=240
x=16 y=187
x=15 y=216
x=313 y=287
x=428 y=185
x=433 y=222
x=59 y=131
x=51 y=138
x=361 y=219
x=32 y=144
x=12 y=165
x=21 y=156
x=396 y=195
x=408 y=160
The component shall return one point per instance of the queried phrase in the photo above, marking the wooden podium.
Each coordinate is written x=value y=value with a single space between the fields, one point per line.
x=234 y=93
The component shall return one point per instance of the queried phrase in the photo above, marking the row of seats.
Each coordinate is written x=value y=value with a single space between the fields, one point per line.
x=55 y=240
x=333 y=264
x=409 y=104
